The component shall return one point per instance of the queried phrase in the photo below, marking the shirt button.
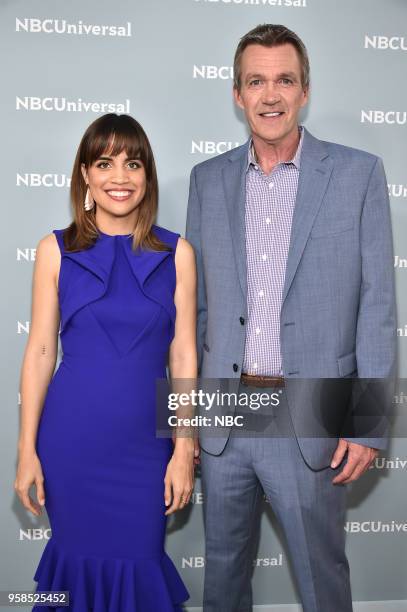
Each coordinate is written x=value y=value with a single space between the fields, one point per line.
x=271 y=185
x=264 y=256
x=235 y=367
x=255 y=366
x=268 y=220
x=261 y=293
x=257 y=330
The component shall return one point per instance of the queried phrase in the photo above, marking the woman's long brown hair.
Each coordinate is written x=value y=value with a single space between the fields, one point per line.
x=110 y=135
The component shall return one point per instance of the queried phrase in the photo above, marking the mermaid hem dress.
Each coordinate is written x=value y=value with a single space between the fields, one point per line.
x=103 y=465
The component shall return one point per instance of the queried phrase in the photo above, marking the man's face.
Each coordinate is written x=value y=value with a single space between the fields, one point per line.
x=271 y=93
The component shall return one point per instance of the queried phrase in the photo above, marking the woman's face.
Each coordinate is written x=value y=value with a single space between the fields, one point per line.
x=117 y=184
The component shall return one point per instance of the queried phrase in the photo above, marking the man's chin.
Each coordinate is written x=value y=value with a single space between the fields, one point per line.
x=272 y=136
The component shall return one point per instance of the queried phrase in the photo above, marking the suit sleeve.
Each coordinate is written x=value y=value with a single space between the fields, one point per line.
x=193 y=235
x=376 y=338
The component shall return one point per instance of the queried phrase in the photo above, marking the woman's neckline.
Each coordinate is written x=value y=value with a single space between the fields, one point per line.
x=114 y=235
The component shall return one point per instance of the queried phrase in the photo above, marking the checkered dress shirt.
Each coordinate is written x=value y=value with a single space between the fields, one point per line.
x=270 y=201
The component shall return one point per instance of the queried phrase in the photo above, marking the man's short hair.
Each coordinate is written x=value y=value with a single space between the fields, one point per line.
x=271 y=35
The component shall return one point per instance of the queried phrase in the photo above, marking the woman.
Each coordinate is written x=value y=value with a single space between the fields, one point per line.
x=123 y=291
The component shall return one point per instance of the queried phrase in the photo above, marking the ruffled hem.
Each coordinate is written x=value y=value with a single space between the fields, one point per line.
x=110 y=585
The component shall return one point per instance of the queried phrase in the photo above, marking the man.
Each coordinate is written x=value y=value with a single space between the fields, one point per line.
x=295 y=283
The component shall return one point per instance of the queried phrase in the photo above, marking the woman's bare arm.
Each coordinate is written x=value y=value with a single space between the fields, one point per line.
x=183 y=365
x=38 y=362
x=183 y=358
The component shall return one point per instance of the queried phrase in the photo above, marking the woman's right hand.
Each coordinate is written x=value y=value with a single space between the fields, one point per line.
x=29 y=471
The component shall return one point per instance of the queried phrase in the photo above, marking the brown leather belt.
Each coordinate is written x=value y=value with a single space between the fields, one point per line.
x=254 y=380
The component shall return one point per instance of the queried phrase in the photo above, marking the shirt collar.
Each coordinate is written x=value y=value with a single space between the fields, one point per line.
x=296 y=160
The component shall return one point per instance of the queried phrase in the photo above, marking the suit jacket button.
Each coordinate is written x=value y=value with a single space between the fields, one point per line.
x=241 y=319
x=235 y=367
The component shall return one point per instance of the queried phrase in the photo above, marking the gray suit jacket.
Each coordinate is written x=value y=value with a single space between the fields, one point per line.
x=338 y=315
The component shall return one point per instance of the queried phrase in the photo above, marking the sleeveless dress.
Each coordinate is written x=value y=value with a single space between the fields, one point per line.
x=103 y=465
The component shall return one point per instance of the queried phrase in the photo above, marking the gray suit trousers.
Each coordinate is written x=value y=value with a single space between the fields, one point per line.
x=308 y=507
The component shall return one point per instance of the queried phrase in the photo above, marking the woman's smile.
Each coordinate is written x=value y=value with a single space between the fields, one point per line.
x=119 y=195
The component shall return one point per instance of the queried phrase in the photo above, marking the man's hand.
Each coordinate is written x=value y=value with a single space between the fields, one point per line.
x=359 y=459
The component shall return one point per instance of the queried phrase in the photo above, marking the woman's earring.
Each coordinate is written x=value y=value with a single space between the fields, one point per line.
x=89 y=201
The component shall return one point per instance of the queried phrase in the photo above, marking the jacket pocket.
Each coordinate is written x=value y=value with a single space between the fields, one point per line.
x=332 y=228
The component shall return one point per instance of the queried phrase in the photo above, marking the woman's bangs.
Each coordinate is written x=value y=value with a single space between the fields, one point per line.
x=112 y=143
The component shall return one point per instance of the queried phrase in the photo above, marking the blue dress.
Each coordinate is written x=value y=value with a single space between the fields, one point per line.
x=103 y=465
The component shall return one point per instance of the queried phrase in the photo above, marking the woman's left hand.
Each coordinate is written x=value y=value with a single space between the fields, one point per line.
x=179 y=477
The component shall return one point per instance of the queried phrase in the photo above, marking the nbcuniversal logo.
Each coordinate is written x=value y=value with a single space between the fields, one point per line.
x=192 y=562
x=393 y=43
x=35 y=534
x=375 y=527
x=212 y=147
x=397 y=191
x=34 y=25
x=402 y=332
x=383 y=463
x=26 y=254
x=199 y=562
x=212 y=72
x=34 y=103
x=23 y=327
x=400 y=262
x=35 y=179
x=196 y=499
x=380 y=117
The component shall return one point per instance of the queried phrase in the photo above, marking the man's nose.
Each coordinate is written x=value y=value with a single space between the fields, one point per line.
x=271 y=93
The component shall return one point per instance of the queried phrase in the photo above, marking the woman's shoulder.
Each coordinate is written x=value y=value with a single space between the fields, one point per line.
x=58 y=232
x=182 y=246
x=167 y=236
x=47 y=255
x=49 y=243
x=57 y=235
x=164 y=233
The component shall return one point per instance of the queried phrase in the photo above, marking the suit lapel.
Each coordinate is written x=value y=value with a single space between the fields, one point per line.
x=315 y=171
x=234 y=184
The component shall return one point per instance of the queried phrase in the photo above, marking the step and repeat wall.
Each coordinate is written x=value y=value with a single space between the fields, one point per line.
x=169 y=64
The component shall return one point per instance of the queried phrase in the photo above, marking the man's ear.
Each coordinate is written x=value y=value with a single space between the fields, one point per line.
x=305 y=97
x=84 y=173
x=237 y=97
